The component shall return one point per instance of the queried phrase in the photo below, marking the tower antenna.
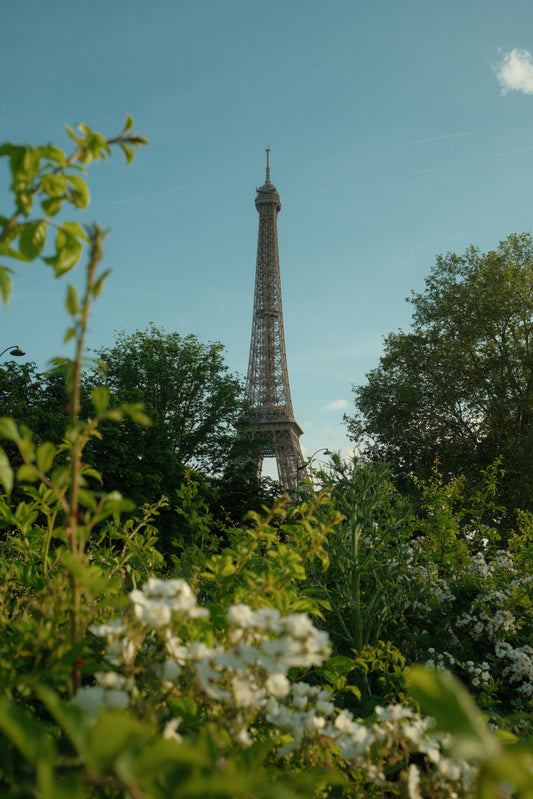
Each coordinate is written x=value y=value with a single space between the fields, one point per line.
x=268 y=163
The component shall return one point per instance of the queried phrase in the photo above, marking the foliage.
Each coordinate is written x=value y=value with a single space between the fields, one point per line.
x=459 y=385
x=193 y=404
x=191 y=398
x=47 y=176
x=117 y=679
x=504 y=766
x=369 y=553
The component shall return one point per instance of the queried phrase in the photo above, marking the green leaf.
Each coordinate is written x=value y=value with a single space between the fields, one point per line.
x=158 y=756
x=70 y=718
x=23 y=201
x=68 y=248
x=340 y=664
x=75 y=229
x=128 y=125
x=51 y=153
x=6 y=285
x=6 y=472
x=136 y=413
x=443 y=697
x=53 y=184
x=90 y=472
x=45 y=455
x=9 y=252
x=129 y=153
x=30 y=737
x=79 y=192
x=5 y=148
x=71 y=332
x=112 y=735
x=72 y=134
x=116 y=503
x=99 y=284
x=9 y=429
x=71 y=302
x=100 y=397
x=52 y=205
x=32 y=239
x=90 y=576
x=88 y=499
x=27 y=473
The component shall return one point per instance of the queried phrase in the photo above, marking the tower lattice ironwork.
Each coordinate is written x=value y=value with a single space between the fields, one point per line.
x=267 y=385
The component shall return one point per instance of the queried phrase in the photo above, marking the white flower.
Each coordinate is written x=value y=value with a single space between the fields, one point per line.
x=109 y=628
x=313 y=722
x=244 y=693
x=345 y=723
x=153 y=613
x=120 y=650
x=240 y=615
x=278 y=685
x=171 y=728
x=413 y=782
x=243 y=737
x=161 y=598
x=169 y=672
x=200 y=651
x=325 y=707
x=208 y=679
x=300 y=702
x=90 y=698
x=116 y=700
x=110 y=679
x=267 y=619
x=176 y=649
x=358 y=741
x=393 y=713
x=299 y=625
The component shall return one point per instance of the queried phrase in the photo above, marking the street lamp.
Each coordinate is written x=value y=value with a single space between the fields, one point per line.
x=15 y=350
x=325 y=450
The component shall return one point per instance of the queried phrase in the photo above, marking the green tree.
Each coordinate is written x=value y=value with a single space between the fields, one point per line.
x=191 y=398
x=459 y=385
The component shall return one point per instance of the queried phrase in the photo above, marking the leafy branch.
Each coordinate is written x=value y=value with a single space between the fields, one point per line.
x=48 y=175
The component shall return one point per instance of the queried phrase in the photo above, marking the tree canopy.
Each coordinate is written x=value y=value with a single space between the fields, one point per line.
x=459 y=385
x=190 y=396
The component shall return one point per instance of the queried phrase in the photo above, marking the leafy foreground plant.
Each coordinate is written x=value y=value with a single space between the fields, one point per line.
x=187 y=701
x=110 y=692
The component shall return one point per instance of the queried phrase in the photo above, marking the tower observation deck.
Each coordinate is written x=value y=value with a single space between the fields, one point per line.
x=271 y=417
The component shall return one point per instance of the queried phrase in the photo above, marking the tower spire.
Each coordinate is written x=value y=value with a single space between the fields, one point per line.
x=268 y=163
x=271 y=418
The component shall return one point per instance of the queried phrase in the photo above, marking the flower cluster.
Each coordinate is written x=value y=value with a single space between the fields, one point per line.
x=112 y=691
x=240 y=674
x=160 y=599
x=482 y=640
x=520 y=668
x=434 y=591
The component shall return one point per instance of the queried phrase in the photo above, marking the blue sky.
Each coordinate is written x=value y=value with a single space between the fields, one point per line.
x=399 y=129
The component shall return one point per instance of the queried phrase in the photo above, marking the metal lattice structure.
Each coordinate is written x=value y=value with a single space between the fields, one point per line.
x=267 y=385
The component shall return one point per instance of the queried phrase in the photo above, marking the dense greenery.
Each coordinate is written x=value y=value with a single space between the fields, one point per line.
x=275 y=660
x=191 y=404
x=459 y=385
x=192 y=400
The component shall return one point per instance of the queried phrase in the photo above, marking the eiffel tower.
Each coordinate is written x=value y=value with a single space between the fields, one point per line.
x=271 y=418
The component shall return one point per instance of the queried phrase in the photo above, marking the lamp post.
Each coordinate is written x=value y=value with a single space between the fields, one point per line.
x=15 y=350
x=304 y=465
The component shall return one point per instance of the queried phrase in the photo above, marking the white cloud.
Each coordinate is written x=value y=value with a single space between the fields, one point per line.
x=515 y=72
x=337 y=405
